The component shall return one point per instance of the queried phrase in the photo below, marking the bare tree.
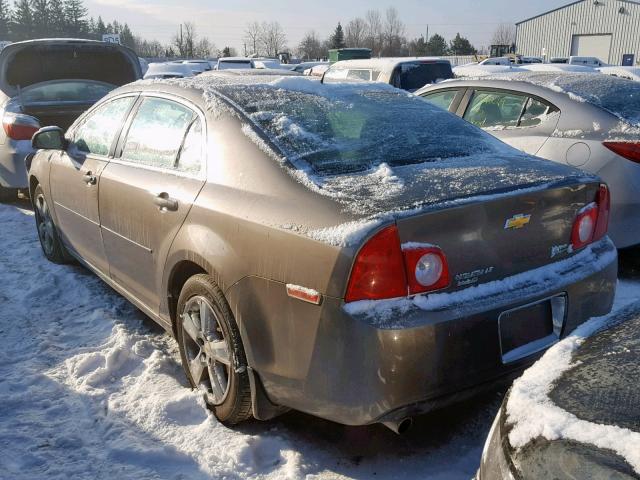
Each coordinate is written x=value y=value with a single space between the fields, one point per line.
x=505 y=34
x=203 y=48
x=355 y=33
x=185 y=39
x=273 y=38
x=253 y=38
x=394 y=30
x=310 y=47
x=374 y=35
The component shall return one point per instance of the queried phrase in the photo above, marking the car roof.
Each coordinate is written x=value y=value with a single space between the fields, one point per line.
x=385 y=64
x=235 y=59
x=275 y=72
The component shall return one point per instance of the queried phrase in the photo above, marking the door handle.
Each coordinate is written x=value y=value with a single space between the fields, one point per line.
x=165 y=202
x=89 y=178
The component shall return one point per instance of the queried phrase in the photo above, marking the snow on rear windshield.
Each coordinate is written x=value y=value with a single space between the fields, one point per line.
x=341 y=128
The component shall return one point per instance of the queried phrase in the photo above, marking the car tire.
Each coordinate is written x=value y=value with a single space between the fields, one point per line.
x=211 y=350
x=52 y=246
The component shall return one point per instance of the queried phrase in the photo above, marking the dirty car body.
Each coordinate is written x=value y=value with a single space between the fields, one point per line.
x=374 y=266
x=51 y=82
x=589 y=121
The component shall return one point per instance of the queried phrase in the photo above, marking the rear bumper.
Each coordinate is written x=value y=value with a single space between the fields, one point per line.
x=359 y=368
x=13 y=173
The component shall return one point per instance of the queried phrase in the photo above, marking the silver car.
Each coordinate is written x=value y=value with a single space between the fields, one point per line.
x=587 y=121
x=51 y=82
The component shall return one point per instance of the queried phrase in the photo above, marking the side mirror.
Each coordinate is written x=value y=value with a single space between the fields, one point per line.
x=49 y=138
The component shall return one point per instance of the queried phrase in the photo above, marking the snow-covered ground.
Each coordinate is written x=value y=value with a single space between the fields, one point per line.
x=90 y=388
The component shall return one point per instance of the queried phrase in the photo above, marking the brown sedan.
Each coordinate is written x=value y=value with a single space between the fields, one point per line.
x=346 y=250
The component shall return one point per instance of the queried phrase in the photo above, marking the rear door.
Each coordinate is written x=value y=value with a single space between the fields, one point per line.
x=523 y=121
x=146 y=193
x=74 y=178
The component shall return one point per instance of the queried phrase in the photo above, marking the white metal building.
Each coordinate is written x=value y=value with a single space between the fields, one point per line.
x=607 y=29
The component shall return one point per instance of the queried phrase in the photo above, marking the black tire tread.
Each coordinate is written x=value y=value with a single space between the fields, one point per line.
x=60 y=254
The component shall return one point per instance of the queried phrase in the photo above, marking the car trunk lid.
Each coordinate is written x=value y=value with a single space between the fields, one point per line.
x=24 y=64
x=498 y=237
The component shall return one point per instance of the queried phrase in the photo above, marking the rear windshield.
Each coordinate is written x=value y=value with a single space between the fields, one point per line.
x=63 y=91
x=416 y=75
x=340 y=128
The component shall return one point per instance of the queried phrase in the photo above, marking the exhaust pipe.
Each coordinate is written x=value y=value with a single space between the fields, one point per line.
x=400 y=427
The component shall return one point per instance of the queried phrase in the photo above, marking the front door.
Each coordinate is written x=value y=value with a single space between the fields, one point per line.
x=75 y=180
x=146 y=194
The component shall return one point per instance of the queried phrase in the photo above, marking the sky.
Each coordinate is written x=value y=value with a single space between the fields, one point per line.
x=224 y=22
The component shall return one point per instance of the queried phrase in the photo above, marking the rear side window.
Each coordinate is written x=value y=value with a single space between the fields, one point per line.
x=495 y=109
x=96 y=133
x=190 y=159
x=442 y=99
x=157 y=133
x=535 y=113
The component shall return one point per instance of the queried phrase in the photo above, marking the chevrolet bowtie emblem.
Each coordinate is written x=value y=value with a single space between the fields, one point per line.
x=517 y=221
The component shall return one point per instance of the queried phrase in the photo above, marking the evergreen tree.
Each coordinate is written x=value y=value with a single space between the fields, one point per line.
x=436 y=46
x=461 y=46
x=5 y=20
x=41 y=18
x=76 y=16
x=91 y=29
x=57 y=19
x=101 y=28
x=126 y=37
x=337 y=39
x=22 y=21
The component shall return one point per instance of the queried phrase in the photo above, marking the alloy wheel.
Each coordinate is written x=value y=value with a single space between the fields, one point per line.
x=206 y=348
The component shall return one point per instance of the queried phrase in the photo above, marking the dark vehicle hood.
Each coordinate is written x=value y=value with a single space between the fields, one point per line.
x=601 y=388
x=27 y=63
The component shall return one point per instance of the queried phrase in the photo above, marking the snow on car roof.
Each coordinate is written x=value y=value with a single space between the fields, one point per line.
x=618 y=96
x=557 y=67
x=476 y=70
x=385 y=64
x=629 y=73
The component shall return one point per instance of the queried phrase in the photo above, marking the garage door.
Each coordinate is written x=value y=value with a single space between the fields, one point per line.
x=591 y=46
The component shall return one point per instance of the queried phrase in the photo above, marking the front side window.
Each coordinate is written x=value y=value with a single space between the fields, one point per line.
x=98 y=130
x=442 y=99
x=157 y=132
x=495 y=109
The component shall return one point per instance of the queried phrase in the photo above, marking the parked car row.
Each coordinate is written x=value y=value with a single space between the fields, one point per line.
x=340 y=247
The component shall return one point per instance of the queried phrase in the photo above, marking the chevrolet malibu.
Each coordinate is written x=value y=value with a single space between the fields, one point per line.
x=347 y=250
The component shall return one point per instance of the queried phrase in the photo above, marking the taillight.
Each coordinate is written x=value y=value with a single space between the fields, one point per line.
x=383 y=269
x=19 y=126
x=592 y=221
x=378 y=271
x=628 y=150
x=427 y=269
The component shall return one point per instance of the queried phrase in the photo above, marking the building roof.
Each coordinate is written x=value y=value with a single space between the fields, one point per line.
x=563 y=7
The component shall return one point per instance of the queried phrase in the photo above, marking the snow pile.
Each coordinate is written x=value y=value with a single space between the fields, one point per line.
x=393 y=313
x=533 y=414
x=90 y=388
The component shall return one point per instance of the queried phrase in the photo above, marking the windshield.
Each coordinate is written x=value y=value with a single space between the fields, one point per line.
x=65 y=91
x=340 y=128
x=416 y=75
